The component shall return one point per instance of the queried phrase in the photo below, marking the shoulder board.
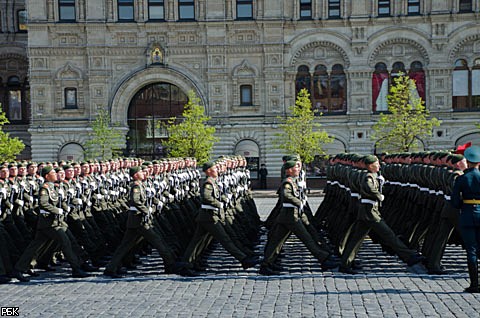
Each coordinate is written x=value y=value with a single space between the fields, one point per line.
x=45 y=185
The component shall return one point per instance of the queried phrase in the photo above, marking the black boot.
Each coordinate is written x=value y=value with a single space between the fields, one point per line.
x=79 y=273
x=473 y=273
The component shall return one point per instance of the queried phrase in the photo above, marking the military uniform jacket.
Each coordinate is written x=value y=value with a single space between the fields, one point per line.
x=290 y=201
x=370 y=190
x=139 y=211
x=51 y=215
x=5 y=205
x=212 y=206
x=467 y=187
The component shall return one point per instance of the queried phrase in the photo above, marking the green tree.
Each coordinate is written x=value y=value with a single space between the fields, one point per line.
x=301 y=134
x=106 y=139
x=191 y=137
x=408 y=121
x=10 y=147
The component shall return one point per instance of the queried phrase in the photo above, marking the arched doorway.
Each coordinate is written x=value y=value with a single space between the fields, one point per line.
x=148 y=113
x=474 y=138
x=250 y=150
x=71 y=152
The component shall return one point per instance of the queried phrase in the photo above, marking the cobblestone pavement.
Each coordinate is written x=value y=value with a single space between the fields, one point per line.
x=386 y=288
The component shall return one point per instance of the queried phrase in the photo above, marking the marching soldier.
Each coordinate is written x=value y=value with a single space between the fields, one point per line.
x=369 y=218
x=289 y=221
x=140 y=225
x=209 y=223
x=51 y=227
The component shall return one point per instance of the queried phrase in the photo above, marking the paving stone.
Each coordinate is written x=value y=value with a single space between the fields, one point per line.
x=386 y=288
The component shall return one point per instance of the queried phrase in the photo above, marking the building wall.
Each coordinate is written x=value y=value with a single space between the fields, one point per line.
x=14 y=63
x=108 y=62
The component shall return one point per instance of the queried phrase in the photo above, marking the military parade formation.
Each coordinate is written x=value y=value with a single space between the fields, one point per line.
x=109 y=213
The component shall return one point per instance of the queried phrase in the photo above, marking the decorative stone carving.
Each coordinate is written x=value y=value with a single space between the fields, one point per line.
x=321 y=49
x=245 y=69
x=399 y=47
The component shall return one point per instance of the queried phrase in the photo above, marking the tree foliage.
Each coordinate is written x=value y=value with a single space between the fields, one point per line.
x=106 y=140
x=301 y=134
x=191 y=137
x=408 y=121
x=10 y=147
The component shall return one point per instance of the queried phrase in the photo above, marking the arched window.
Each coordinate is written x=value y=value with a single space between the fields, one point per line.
x=148 y=116
x=398 y=69
x=16 y=101
x=476 y=84
x=320 y=88
x=303 y=78
x=382 y=79
x=466 y=85
x=380 y=87
x=417 y=74
x=338 y=82
x=327 y=90
x=460 y=85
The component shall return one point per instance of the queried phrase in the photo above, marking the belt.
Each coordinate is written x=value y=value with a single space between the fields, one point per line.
x=368 y=201
x=289 y=205
x=209 y=207
x=133 y=209
x=355 y=195
x=44 y=212
x=471 y=201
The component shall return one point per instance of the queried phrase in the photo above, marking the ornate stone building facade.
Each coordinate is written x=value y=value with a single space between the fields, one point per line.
x=246 y=59
x=14 y=86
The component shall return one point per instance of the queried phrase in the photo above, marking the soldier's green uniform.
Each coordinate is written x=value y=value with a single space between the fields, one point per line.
x=369 y=218
x=289 y=221
x=51 y=226
x=139 y=225
x=209 y=224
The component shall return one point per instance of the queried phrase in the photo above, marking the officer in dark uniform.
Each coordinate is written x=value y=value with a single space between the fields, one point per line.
x=466 y=196
x=51 y=226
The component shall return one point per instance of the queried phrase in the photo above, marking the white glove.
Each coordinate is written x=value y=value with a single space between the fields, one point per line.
x=382 y=197
x=60 y=211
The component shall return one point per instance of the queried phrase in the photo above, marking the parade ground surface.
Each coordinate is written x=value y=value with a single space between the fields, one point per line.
x=385 y=288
